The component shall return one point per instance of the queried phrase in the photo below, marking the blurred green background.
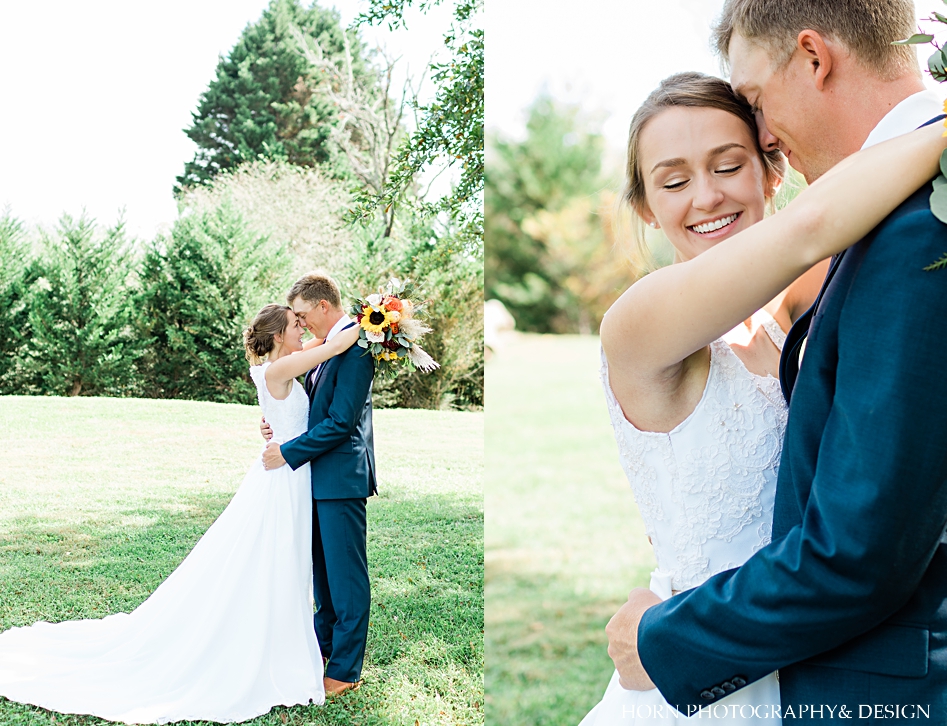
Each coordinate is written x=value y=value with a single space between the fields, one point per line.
x=564 y=542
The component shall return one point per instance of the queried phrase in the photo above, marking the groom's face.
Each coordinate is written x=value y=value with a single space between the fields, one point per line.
x=787 y=108
x=313 y=317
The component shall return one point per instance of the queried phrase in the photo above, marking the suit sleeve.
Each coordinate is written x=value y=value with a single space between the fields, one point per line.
x=877 y=507
x=353 y=382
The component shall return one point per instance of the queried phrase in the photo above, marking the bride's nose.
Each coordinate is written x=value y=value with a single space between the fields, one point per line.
x=707 y=193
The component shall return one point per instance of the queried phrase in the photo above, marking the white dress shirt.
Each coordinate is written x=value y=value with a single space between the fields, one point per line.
x=913 y=112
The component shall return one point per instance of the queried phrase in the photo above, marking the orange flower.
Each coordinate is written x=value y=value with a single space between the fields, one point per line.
x=392 y=303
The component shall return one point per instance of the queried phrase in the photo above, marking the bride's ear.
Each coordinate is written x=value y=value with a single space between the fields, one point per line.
x=648 y=217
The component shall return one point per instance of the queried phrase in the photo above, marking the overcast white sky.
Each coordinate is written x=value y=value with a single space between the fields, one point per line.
x=96 y=95
x=606 y=55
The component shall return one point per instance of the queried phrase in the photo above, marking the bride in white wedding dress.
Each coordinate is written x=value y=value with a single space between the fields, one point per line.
x=695 y=402
x=229 y=634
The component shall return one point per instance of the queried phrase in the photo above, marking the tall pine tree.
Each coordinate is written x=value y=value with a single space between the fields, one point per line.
x=81 y=342
x=263 y=101
x=199 y=288
x=17 y=273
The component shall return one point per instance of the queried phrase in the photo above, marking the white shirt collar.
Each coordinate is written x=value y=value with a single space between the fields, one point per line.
x=912 y=112
x=339 y=326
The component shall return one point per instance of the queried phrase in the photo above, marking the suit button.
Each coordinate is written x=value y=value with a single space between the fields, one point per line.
x=738 y=681
x=728 y=686
x=718 y=691
x=707 y=695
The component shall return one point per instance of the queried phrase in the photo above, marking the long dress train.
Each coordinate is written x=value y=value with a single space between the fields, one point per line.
x=227 y=636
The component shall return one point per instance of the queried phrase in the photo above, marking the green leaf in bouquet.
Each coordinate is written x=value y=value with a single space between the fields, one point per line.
x=915 y=39
x=939 y=181
x=362 y=343
x=940 y=17
x=939 y=265
x=939 y=203
x=937 y=64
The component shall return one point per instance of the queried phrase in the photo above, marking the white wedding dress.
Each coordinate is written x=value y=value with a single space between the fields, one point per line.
x=705 y=491
x=225 y=638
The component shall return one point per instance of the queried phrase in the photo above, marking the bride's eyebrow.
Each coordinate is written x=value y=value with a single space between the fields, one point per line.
x=668 y=163
x=722 y=149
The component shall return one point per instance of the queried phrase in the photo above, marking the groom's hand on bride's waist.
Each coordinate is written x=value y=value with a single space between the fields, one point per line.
x=265 y=430
x=272 y=456
x=622 y=631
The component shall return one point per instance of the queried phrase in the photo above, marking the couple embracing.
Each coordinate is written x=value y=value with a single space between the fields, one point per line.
x=776 y=394
x=231 y=632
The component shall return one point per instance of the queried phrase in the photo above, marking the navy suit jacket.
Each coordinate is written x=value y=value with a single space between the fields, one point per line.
x=849 y=602
x=339 y=445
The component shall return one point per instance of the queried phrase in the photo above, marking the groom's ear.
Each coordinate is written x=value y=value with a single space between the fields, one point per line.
x=817 y=55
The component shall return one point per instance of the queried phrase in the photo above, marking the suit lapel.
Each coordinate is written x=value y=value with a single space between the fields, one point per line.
x=320 y=371
x=789 y=361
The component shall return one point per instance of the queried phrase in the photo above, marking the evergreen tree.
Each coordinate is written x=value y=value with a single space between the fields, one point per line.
x=16 y=274
x=558 y=163
x=199 y=289
x=81 y=342
x=262 y=102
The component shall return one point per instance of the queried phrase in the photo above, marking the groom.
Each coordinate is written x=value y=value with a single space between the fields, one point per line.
x=340 y=449
x=849 y=602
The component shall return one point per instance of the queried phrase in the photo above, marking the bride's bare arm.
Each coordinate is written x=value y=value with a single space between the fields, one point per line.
x=677 y=310
x=285 y=369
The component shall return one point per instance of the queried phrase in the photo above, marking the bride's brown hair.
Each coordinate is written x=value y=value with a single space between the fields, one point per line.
x=258 y=338
x=694 y=90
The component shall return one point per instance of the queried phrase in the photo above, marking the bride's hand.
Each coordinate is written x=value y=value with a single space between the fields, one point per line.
x=622 y=631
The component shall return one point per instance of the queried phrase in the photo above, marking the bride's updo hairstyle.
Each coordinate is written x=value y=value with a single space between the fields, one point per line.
x=694 y=90
x=258 y=338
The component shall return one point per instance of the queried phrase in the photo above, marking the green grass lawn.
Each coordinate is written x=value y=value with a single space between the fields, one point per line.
x=100 y=499
x=564 y=541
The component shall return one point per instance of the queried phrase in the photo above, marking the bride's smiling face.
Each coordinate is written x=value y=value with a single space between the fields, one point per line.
x=704 y=179
x=293 y=335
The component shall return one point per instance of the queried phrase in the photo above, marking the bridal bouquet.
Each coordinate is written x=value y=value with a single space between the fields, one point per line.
x=937 y=65
x=390 y=329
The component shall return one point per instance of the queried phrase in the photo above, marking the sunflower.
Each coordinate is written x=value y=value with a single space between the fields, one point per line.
x=375 y=321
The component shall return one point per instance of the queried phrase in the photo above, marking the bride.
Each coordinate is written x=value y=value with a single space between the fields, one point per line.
x=691 y=352
x=228 y=635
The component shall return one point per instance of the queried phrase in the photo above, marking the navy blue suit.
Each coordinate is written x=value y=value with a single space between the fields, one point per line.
x=849 y=602
x=339 y=447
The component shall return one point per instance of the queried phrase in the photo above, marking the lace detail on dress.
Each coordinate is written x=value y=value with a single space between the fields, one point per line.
x=706 y=489
x=775 y=333
x=288 y=418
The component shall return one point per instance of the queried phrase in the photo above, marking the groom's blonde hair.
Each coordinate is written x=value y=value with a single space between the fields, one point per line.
x=865 y=27
x=314 y=287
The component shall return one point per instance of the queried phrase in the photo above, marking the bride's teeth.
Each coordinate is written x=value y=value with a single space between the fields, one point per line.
x=713 y=226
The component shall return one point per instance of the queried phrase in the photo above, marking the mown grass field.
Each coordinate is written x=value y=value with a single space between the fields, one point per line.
x=564 y=541
x=100 y=499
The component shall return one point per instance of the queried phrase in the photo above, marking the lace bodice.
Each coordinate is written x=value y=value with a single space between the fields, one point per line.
x=288 y=418
x=706 y=489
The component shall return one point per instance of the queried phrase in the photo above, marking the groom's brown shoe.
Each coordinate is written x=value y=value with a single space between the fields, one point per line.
x=337 y=688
